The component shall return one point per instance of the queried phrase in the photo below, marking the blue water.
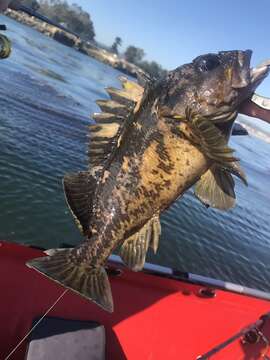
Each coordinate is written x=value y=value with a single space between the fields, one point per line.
x=47 y=93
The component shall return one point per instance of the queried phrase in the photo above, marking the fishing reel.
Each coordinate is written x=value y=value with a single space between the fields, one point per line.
x=5 y=44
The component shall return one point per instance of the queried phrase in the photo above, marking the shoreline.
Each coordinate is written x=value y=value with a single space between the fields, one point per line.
x=76 y=43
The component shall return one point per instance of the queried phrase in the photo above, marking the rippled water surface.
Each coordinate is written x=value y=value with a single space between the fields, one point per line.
x=47 y=93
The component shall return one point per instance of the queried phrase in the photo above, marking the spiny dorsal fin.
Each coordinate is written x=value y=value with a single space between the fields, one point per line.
x=107 y=118
x=134 y=249
x=135 y=90
x=113 y=107
x=105 y=134
x=216 y=189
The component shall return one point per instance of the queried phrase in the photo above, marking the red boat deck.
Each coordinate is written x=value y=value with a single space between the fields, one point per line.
x=155 y=318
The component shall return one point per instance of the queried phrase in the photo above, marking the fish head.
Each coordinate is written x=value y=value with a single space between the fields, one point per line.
x=214 y=85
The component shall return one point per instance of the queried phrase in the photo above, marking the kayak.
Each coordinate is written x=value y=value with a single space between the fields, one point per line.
x=159 y=313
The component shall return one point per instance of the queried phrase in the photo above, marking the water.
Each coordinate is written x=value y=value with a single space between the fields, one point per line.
x=47 y=93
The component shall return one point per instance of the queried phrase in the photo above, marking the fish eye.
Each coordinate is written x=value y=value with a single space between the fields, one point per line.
x=208 y=62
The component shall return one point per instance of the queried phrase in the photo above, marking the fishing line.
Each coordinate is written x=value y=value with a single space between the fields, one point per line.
x=36 y=324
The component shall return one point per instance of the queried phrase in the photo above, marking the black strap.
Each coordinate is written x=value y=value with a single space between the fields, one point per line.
x=3 y=27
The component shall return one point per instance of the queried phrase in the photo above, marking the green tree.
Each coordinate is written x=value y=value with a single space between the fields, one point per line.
x=73 y=16
x=117 y=42
x=153 y=68
x=134 y=54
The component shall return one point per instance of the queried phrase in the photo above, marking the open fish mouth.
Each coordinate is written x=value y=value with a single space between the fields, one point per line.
x=245 y=80
x=256 y=105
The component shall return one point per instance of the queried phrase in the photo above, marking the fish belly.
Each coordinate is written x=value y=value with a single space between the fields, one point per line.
x=145 y=184
x=149 y=183
x=167 y=170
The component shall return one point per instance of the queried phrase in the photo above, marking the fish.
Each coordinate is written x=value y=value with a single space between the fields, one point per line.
x=151 y=142
x=5 y=45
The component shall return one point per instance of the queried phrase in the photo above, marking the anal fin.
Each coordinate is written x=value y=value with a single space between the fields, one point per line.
x=134 y=249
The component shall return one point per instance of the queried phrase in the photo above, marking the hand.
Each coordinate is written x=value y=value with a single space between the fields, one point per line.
x=251 y=109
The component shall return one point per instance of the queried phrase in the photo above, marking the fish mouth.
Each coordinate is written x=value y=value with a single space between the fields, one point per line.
x=255 y=105
x=246 y=80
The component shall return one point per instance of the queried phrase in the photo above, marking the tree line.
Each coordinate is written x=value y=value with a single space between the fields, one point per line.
x=72 y=16
x=135 y=56
x=79 y=21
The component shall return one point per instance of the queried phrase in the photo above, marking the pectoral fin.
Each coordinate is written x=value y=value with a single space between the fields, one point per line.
x=236 y=170
x=134 y=249
x=209 y=138
x=216 y=189
x=213 y=142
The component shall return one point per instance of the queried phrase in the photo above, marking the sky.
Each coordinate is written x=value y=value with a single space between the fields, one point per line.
x=174 y=32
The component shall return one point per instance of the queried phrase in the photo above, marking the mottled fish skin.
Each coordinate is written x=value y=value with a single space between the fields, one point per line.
x=158 y=159
x=172 y=136
x=152 y=168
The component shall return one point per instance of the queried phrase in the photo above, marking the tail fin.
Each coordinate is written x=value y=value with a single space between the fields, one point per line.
x=89 y=282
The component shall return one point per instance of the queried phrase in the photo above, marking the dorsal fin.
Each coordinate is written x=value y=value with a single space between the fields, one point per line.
x=104 y=135
x=79 y=188
x=135 y=90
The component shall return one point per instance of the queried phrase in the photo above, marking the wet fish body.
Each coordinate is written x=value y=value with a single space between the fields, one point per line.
x=147 y=148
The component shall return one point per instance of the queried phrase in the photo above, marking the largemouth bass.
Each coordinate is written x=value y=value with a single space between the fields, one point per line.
x=148 y=146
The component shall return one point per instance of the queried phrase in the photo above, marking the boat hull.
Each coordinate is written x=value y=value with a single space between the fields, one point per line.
x=154 y=317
